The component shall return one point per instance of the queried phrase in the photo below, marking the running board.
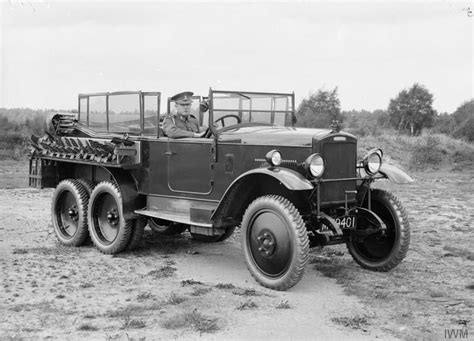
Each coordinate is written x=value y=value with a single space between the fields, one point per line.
x=178 y=217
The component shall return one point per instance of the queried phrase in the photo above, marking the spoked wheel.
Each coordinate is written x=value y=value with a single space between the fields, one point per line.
x=275 y=242
x=166 y=228
x=69 y=212
x=109 y=230
x=383 y=251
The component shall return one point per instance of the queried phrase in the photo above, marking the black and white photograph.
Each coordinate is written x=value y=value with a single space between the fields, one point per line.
x=236 y=170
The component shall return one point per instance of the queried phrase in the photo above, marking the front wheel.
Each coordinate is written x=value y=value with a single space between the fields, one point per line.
x=275 y=242
x=383 y=252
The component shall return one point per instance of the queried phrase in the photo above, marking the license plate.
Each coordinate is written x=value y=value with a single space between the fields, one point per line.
x=347 y=222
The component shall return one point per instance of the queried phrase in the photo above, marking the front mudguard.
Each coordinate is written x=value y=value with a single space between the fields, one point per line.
x=390 y=172
x=395 y=174
x=288 y=178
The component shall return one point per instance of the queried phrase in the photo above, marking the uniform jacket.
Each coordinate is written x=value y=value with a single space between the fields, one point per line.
x=177 y=126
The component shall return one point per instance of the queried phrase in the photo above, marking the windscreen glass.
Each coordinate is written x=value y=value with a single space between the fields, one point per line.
x=124 y=113
x=151 y=106
x=273 y=109
x=98 y=113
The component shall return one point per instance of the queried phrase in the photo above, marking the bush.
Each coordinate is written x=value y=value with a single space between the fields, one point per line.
x=430 y=152
x=16 y=128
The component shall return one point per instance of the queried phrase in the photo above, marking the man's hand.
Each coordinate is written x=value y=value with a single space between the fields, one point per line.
x=199 y=134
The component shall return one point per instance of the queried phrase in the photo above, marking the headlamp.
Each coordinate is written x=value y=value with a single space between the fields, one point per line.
x=273 y=157
x=314 y=164
x=373 y=161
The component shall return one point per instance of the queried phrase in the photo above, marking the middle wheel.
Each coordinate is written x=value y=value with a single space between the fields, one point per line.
x=109 y=230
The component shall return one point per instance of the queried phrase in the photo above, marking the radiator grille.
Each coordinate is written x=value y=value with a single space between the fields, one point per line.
x=340 y=163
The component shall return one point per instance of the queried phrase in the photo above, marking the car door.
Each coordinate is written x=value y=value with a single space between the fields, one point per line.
x=191 y=165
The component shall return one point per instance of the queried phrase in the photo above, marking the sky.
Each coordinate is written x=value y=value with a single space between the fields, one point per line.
x=52 y=51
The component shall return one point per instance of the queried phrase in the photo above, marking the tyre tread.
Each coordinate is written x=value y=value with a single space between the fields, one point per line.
x=301 y=234
x=82 y=231
x=404 y=234
x=128 y=224
x=137 y=234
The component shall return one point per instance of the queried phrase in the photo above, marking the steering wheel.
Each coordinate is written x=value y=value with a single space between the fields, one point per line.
x=226 y=116
x=209 y=132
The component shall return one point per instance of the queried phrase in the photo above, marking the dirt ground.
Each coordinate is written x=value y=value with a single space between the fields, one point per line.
x=175 y=288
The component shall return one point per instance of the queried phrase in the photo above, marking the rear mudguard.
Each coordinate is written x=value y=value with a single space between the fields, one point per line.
x=395 y=174
x=131 y=199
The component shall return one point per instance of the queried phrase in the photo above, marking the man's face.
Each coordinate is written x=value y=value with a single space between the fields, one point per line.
x=183 y=109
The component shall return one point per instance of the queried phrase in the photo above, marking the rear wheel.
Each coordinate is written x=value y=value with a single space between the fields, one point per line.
x=89 y=187
x=383 y=251
x=109 y=230
x=69 y=213
x=275 y=242
x=87 y=184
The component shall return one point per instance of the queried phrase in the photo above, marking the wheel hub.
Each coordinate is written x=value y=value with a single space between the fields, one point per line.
x=266 y=244
x=112 y=217
x=72 y=212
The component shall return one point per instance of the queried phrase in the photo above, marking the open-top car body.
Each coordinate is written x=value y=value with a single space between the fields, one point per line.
x=288 y=188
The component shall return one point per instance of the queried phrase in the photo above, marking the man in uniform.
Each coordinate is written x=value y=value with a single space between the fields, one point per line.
x=182 y=124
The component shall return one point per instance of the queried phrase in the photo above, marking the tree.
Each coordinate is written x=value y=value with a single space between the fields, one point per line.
x=320 y=109
x=464 y=121
x=412 y=110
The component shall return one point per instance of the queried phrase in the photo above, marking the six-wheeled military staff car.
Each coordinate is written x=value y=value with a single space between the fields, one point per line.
x=287 y=188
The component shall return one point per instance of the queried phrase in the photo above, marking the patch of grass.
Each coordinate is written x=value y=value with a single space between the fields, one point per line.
x=354 y=322
x=436 y=294
x=175 y=299
x=130 y=323
x=247 y=305
x=190 y=282
x=170 y=262
x=133 y=309
x=87 y=327
x=425 y=151
x=164 y=272
x=143 y=296
x=194 y=320
x=428 y=153
x=333 y=267
x=13 y=338
x=246 y=292
x=200 y=291
x=283 y=305
x=225 y=286
x=19 y=251
x=44 y=306
x=459 y=252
